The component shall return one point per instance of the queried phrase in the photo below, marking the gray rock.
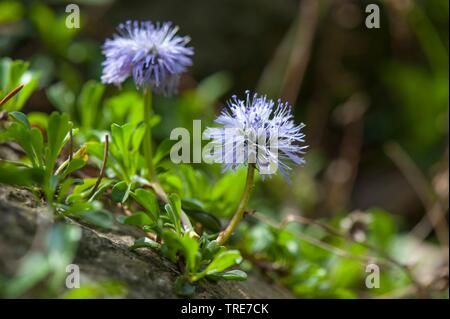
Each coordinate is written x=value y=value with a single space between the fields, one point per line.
x=105 y=256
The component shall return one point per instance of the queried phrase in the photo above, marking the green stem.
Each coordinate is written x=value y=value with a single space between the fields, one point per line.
x=227 y=232
x=148 y=154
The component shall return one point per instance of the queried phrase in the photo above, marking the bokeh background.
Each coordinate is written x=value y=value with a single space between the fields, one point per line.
x=374 y=101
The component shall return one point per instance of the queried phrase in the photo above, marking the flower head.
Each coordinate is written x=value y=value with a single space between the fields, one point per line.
x=259 y=131
x=151 y=53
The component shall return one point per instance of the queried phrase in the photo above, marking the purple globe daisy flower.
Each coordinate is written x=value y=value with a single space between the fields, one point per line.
x=259 y=131
x=151 y=53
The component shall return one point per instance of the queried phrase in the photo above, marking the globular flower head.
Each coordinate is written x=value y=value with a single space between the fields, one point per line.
x=257 y=131
x=151 y=53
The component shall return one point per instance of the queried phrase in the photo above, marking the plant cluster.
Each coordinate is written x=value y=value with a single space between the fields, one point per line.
x=96 y=161
x=61 y=148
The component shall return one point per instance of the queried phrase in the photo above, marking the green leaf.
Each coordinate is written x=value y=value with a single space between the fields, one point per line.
x=120 y=192
x=100 y=218
x=173 y=209
x=163 y=150
x=89 y=102
x=138 y=135
x=64 y=189
x=37 y=141
x=83 y=188
x=226 y=192
x=124 y=148
x=183 y=287
x=192 y=204
x=125 y=107
x=121 y=136
x=11 y=11
x=50 y=186
x=30 y=139
x=145 y=242
x=209 y=221
x=211 y=249
x=382 y=228
x=234 y=274
x=79 y=160
x=52 y=29
x=223 y=260
x=105 y=289
x=77 y=208
x=190 y=250
x=57 y=132
x=38 y=119
x=20 y=176
x=104 y=185
x=172 y=244
x=95 y=149
x=148 y=200
x=21 y=118
x=62 y=97
x=13 y=74
x=137 y=219
x=154 y=120
x=74 y=165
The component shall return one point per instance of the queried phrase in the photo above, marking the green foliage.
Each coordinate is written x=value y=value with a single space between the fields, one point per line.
x=223 y=261
x=30 y=139
x=51 y=28
x=57 y=136
x=124 y=107
x=202 y=258
x=84 y=109
x=308 y=270
x=89 y=103
x=145 y=242
x=412 y=88
x=62 y=98
x=124 y=150
x=12 y=174
x=48 y=266
x=44 y=156
x=10 y=11
x=149 y=201
x=38 y=170
x=173 y=210
x=90 y=212
x=137 y=219
x=13 y=74
x=105 y=289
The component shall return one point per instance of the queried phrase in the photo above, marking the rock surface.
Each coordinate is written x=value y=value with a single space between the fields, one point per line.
x=105 y=256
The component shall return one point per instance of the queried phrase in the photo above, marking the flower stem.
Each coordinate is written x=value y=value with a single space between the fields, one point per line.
x=148 y=154
x=228 y=231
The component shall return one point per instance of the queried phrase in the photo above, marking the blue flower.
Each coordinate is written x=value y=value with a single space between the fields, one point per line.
x=257 y=131
x=151 y=53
